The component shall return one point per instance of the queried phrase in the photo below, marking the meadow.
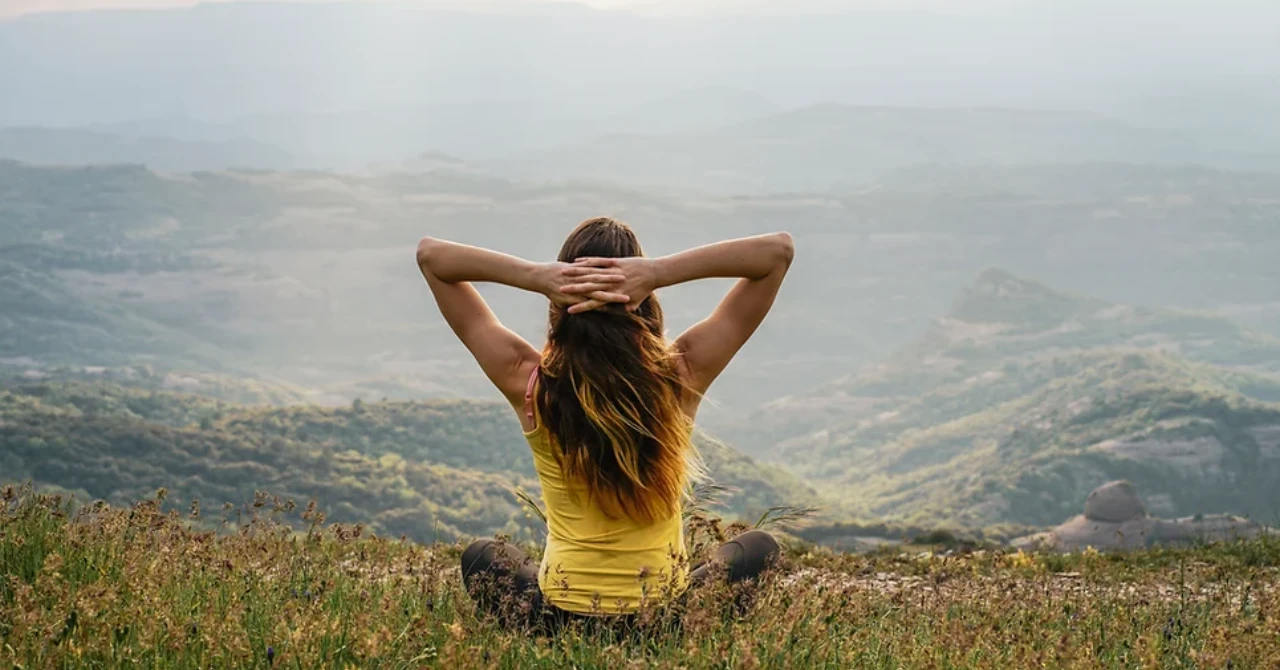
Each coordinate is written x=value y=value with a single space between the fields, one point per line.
x=272 y=584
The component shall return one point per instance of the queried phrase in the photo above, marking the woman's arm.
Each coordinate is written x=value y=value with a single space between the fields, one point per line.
x=505 y=357
x=750 y=258
x=760 y=262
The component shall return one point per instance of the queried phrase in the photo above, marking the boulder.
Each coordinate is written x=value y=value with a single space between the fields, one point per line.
x=1115 y=502
x=1115 y=518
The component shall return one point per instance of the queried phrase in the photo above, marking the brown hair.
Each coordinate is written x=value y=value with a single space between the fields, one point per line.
x=610 y=393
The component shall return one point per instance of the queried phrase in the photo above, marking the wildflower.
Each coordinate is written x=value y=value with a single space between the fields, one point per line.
x=1020 y=559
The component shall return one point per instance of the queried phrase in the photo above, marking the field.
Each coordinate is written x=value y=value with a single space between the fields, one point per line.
x=139 y=587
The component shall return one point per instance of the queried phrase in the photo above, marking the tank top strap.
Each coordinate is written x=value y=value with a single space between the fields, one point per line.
x=528 y=392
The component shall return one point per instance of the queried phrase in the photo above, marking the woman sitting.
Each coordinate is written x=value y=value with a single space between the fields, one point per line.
x=608 y=409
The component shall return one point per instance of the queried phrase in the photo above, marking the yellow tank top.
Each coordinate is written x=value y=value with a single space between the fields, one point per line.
x=594 y=564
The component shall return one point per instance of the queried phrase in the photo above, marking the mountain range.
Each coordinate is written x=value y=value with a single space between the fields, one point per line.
x=1022 y=399
x=269 y=288
x=270 y=274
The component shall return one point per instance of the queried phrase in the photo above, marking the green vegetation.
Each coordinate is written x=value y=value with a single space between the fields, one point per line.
x=135 y=587
x=421 y=469
x=305 y=277
x=269 y=288
x=1032 y=460
x=1023 y=399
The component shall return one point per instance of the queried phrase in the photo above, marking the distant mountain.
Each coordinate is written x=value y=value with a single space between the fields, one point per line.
x=690 y=110
x=831 y=147
x=475 y=130
x=403 y=468
x=1241 y=120
x=350 y=139
x=303 y=276
x=57 y=146
x=1001 y=315
x=1020 y=381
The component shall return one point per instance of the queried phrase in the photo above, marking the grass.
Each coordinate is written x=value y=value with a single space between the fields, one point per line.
x=97 y=586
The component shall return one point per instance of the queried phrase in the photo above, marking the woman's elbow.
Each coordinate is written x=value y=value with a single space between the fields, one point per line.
x=786 y=249
x=426 y=249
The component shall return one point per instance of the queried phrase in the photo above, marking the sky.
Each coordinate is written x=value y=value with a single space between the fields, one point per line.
x=11 y=8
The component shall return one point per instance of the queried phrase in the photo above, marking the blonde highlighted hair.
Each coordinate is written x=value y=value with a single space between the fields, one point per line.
x=611 y=394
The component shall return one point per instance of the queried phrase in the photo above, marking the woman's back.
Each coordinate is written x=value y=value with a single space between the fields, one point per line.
x=595 y=563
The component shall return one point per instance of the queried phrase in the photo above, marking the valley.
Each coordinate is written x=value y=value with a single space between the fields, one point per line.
x=253 y=287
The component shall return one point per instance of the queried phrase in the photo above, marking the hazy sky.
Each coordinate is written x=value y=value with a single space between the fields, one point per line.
x=10 y=8
x=18 y=7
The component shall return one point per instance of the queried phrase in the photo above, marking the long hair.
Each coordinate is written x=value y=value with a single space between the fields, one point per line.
x=610 y=394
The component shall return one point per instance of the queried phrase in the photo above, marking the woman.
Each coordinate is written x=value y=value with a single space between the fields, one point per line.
x=607 y=407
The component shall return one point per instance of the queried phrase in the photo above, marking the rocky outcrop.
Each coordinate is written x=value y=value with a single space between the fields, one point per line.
x=1116 y=502
x=1115 y=518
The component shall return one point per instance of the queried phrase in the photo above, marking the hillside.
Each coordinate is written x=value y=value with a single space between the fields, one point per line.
x=304 y=277
x=418 y=469
x=1004 y=337
x=296 y=276
x=63 y=146
x=1031 y=459
x=1020 y=401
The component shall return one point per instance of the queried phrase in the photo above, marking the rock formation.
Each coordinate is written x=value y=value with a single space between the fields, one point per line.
x=1116 y=518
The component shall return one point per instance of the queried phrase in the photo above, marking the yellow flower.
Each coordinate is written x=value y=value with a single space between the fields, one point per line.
x=1020 y=560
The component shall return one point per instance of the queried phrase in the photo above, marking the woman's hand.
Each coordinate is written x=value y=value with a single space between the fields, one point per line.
x=592 y=290
x=638 y=280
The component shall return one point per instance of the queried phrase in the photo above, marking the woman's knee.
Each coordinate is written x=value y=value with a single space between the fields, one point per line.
x=760 y=542
x=476 y=548
x=749 y=554
x=477 y=556
x=488 y=555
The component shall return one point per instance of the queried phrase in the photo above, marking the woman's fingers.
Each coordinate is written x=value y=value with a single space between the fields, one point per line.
x=579 y=308
x=592 y=275
x=596 y=262
x=609 y=296
x=596 y=300
x=585 y=306
x=590 y=271
x=588 y=287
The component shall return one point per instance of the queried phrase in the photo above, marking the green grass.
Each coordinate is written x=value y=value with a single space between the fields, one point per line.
x=135 y=587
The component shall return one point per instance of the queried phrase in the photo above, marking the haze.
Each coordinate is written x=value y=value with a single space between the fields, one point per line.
x=18 y=7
